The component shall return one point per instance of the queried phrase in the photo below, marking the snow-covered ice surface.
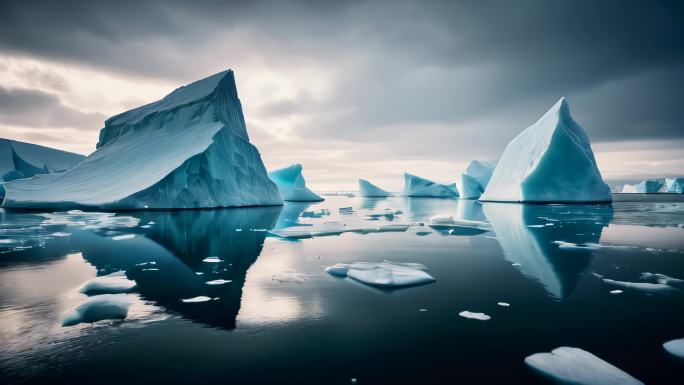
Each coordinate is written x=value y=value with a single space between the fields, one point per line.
x=113 y=283
x=386 y=275
x=24 y=160
x=675 y=347
x=550 y=161
x=415 y=186
x=368 y=189
x=188 y=150
x=98 y=308
x=481 y=171
x=576 y=366
x=292 y=185
x=469 y=187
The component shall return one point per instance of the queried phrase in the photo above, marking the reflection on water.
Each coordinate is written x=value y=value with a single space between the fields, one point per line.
x=527 y=234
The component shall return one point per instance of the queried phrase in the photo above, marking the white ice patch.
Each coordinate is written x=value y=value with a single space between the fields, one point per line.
x=644 y=287
x=617 y=291
x=98 y=308
x=212 y=260
x=504 y=304
x=477 y=316
x=108 y=284
x=675 y=347
x=385 y=274
x=218 y=282
x=332 y=229
x=201 y=298
x=123 y=237
x=445 y=221
x=577 y=366
x=577 y=247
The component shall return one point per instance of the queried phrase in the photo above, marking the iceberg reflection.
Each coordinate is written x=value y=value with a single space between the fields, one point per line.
x=528 y=235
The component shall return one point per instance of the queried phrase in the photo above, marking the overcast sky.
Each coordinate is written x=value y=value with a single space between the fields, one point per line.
x=361 y=88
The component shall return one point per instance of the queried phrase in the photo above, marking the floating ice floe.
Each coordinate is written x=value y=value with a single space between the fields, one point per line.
x=332 y=229
x=477 y=316
x=387 y=213
x=504 y=304
x=577 y=247
x=218 y=282
x=292 y=185
x=188 y=150
x=88 y=220
x=415 y=186
x=367 y=189
x=212 y=260
x=201 y=298
x=108 y=284
x=20 y=160
x=577 y=366
x=481 y=171
x=469 y=187
x=644 y=287
x=675 y=347
x=446 y=221
x=98 y=308
x=386 y=274
x=617 y=291
x=123 y=237
x=550 y=161
x=663 y=279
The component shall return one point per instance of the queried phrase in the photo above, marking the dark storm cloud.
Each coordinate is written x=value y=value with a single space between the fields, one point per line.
x=398 y=62
x=33 y=108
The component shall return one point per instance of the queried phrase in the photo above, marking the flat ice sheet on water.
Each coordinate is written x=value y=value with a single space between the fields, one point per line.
x=386 y=274
x=550 y=161
x=577 y=366
x=98 y=308
x=113 y=283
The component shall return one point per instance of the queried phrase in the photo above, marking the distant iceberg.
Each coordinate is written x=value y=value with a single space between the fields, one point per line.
x=367 y=189
x=550 y=161
x=415 y=186
x=629 y=189
x=576 y=366
x=469 y=187
x=188 y=150
x=650 y=186
x=675 y=185
x=292 y=186
x=481 y=171
x=23 y=160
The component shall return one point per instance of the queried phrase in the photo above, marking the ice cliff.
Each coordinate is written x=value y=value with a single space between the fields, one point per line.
x=291 y=184
x=188 y=150
x=550 y=161
x=368 y=189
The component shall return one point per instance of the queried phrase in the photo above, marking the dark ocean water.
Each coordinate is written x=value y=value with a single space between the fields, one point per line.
x=282 y=319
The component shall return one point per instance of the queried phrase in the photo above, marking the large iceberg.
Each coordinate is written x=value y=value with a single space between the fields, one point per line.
x=368 y=189
x=23 y=160
x=550 y=161
x=481 y=171
x=292 y=186
x=415 y=186
x=675 y=185
x=469 y=187
x=650 y=186
x=188 y=150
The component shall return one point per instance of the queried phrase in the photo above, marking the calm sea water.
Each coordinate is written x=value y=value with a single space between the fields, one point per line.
x=282 y=319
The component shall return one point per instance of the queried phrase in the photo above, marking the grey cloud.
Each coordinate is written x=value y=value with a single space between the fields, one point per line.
x=34 y=108
x=38 y=78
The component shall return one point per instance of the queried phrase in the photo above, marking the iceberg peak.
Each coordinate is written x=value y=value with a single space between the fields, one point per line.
x=368 y=189
x=291 y=184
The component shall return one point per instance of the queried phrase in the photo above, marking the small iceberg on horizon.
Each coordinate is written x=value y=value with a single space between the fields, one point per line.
x=579 y=367
x=415 y=186
x=98 y=308
x=291 y=184
x=384 y=275
x=369 y=190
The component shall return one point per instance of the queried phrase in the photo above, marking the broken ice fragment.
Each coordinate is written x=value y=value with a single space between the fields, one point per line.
x=218 y=282
x=108 y=284
x=617 y=291
x=385 y=274
x=504 y=304
x=201 y=298
x=98 y=308
x=477 y=316
x=212 y=260
x=577 y=366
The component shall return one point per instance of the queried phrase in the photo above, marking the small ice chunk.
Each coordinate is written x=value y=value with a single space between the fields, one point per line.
x=504 y=304
x=201 y=298
x=422 y=310
x=675 y=347
x=445 y=221
x=616 y=291
x=663 y=279
x=577 y=366
x=150 y=269
x=646 y=287
x=108 y=284
x=477 y=316
x=122 y=237
x=60 y=234
x=577 y=247
x=385 y=274
x=212 y=260
x=98 y=308
x=218 y=282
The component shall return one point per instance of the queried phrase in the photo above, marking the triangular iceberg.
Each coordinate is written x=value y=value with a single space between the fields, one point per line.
x=481 y=171
x=188 y=150
x=415 y=186
x=291 y=184
x=368 y=189
x=469 y=187
x=550 y=161
x=23 y=160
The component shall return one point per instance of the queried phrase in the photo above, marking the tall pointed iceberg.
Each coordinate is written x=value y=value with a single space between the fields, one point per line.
x=24 y=160
x=550 y=161
x=415 y=186
x=188 y=150
x=368 y=189
x=292 y=185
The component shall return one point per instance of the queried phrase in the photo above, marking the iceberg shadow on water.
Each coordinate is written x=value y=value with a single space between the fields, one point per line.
x=528 y=236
